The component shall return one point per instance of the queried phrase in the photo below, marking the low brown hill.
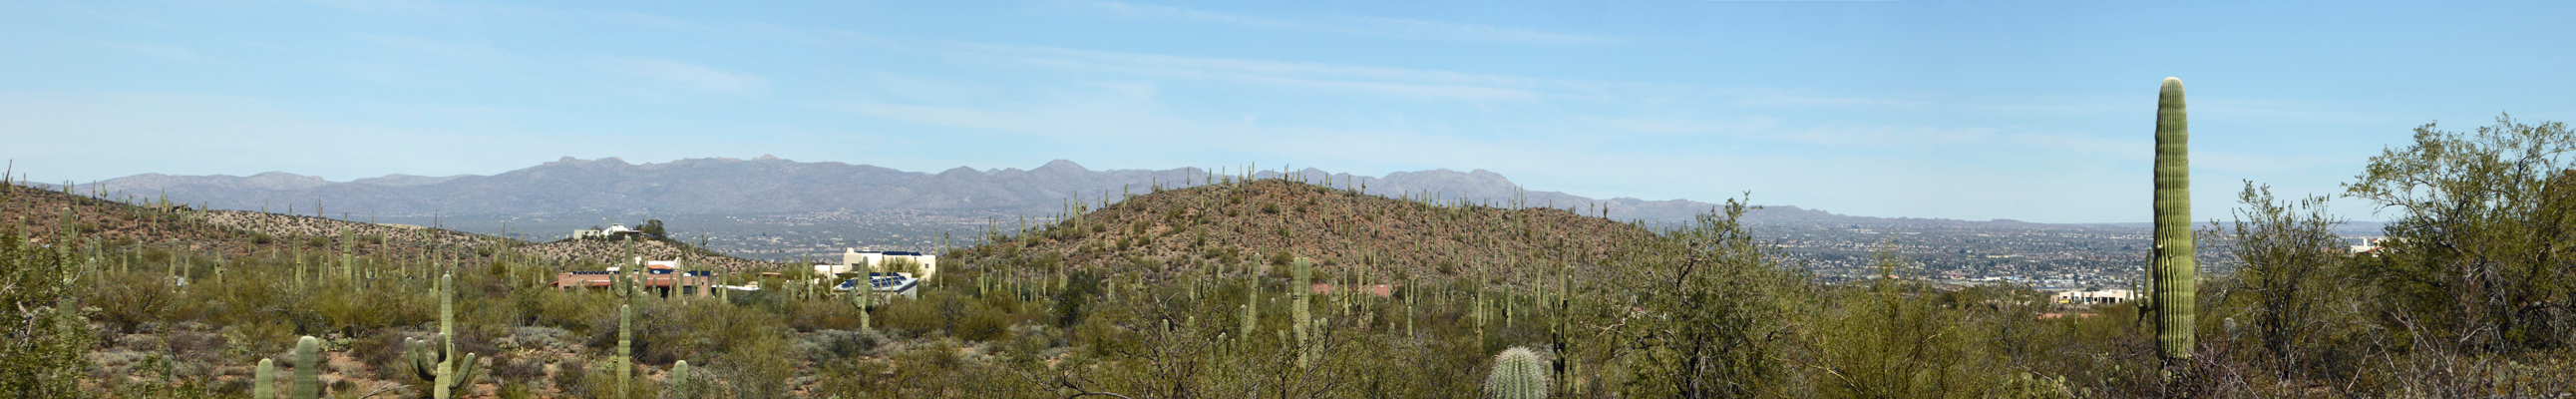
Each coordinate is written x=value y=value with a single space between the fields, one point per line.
x=40 y=216
x=47 y=217
x=1243 y=226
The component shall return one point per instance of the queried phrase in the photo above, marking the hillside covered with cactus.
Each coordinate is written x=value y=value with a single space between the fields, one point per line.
x=1256 y=224
x=118 y=226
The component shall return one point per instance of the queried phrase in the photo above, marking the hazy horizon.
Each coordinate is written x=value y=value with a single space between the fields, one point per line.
x=2029 y=111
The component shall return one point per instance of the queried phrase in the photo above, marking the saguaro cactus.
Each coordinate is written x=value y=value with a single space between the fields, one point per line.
x=1304 y=322
x=1518 y=374
x=435 y=359
x=625 y=347
x=2176 y=273
x=308 y=368
x=859 y=296
x=263 y=383
x=680 y=379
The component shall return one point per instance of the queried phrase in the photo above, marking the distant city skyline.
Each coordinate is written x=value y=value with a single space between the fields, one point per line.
x=2033 y=111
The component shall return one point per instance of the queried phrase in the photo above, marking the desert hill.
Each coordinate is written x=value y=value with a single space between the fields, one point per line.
x=1239 y=227
x=47 y=217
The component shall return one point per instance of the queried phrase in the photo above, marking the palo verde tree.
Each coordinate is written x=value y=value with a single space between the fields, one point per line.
x=2290 y=285
x=2479 y=253
x=47 y=334
x=1705 y=309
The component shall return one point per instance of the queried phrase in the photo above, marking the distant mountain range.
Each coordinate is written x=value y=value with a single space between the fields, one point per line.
x=770 y=185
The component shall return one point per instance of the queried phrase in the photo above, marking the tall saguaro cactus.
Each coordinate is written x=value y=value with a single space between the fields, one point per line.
x=859 y=296
x=625 y=347
x=435 y=359
x=308 y=368
x=2176 y=273
x=1303 y=287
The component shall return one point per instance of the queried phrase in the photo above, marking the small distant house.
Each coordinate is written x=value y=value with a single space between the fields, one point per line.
x=856 y=261
x=662 y=278
x=2098 y=297
x=618 y=231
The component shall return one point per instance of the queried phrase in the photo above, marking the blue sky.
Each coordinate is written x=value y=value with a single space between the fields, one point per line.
x=2037 y=111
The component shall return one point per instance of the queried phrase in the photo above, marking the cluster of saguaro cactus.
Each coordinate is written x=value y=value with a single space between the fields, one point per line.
x=2176 y=272
x=1518 y=374
x=434 y=359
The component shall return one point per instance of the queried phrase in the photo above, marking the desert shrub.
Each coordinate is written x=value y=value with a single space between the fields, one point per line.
x=128 y=300
x=571 y=376
x=381 y=351
x=514 y=369
x=254 y=339
x=599 y=380
x=909 y=317
x=984 y=323
x=833 y=345
x=755 y=368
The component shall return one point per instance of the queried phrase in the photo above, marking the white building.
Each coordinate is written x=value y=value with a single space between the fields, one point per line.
x=612 y=231
x=874 y=261
x=2096 y=297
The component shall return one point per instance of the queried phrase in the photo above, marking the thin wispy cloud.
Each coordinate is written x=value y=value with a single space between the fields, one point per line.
x=161 y=51
x=691 y=76
x=1337 y=24
x=1373 y=80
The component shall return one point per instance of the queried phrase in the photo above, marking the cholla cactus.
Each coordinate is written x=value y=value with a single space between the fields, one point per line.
x=1518 y=374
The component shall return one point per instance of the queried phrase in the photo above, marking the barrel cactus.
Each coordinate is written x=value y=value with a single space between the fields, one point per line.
x=1518 y=374
x=2176 y=272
